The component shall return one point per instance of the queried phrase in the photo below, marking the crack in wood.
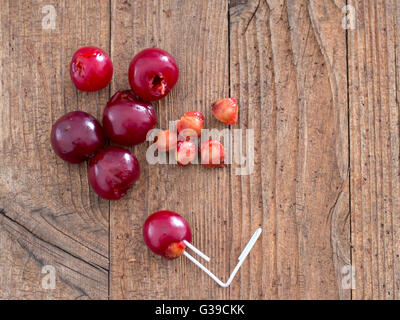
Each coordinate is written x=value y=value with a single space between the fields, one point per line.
x=3 y=214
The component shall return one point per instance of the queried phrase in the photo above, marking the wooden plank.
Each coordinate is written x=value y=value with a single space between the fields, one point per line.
x=196 y=33
x=45 y=202
x=286 y=63
x=374 y=145
x=288 y=69
x=24 y=263
x=304 y=219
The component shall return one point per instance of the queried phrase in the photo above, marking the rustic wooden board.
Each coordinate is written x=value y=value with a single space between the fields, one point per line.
x=48 y=213
x=198 y=38
x=374 y=145
x=284 y=70
x=325 y=186
x=299 y=183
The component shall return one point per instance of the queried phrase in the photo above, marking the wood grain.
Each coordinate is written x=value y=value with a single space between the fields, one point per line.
x=374 y=145
x=322 y=102
x=282 y=65
x=48 y=213
x=292 y=92
x=197 y=35
x=23 y=256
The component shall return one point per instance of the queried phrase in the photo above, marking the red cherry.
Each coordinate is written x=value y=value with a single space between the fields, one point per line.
x=112 y=172
x=164 y=232
x=91 y=69
x=153 y=73
x=126 y=119
x=76 y=136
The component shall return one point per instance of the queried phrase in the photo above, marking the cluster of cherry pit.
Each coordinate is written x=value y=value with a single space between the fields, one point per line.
x=127 y=119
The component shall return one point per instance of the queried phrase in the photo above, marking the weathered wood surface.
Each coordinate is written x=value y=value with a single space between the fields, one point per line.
x=49 y=215
x=325 y=186
x=374 y=157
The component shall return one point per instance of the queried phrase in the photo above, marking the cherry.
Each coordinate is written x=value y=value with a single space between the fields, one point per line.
x=153 y=73
x=193 y=120
x=91 y=69
x=127 y=119
x=164 y=232
x=212 y=154
x=112 y=172
x=76 y=136
x=166 y=140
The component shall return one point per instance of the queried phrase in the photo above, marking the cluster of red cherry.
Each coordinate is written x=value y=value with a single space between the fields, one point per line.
x=127 y=118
